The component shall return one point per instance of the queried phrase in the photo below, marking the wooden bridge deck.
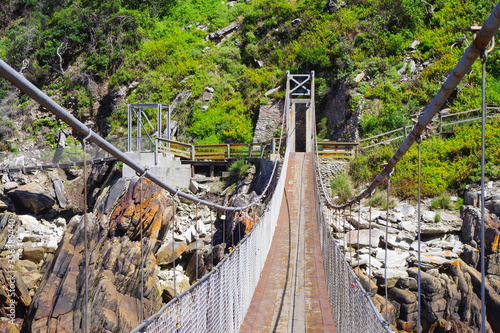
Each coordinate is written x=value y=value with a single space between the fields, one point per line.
x=291 y=295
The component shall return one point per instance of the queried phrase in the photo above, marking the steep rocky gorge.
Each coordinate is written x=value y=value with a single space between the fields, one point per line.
x=50 y=246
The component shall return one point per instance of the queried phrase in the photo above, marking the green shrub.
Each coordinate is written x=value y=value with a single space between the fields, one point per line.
x=459 y=203
x=359 y=169
x=238 y=168
x=341 y=187
x=441 y=202
x=437 y=218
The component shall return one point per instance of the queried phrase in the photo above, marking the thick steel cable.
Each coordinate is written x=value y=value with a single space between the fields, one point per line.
x=488 y=30
x=212 y=235
x=173 y=243
x=350 y=239
x=85 y=228
x=142 y=248
x=483 y=134
x=359 y=223
x=386 y=242
x=419 y=219
x=343 y=232
x=196 y=241
x=224 y=230
x=31 y=90
x=370 y=248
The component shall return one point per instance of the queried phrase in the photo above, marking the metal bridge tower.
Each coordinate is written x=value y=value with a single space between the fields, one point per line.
x=300 y=93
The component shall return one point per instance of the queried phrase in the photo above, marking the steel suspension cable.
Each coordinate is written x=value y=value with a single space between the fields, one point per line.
x=386 y=242
x=419 y=218
x=488 y=30
x=212 y=235
x=85 y=229
x=31 y=90
x=483 y=134
x=359 y=223
x=370 y=248
x=197 y=237
x=173 y=243
x=142 y=248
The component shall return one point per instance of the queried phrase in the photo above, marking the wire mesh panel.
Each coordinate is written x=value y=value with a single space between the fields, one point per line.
x=219 y=301
x=348 y=299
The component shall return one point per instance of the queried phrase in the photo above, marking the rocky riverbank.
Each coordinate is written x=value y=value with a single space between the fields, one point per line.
x=450 y=278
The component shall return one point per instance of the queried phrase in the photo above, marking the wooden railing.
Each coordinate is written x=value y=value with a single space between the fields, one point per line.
x=443 y=121
x=218 y=151
x=338 y=150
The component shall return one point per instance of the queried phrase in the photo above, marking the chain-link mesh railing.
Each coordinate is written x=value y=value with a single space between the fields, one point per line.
x=352 y=308
x=219 y=301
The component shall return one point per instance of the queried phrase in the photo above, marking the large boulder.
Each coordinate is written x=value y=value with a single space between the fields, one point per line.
x=32 y=197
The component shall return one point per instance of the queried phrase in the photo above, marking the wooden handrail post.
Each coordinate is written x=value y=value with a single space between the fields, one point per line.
x=261 y=150
x=193 y=152
x=273 y=146
x=228 y=151
x=249 y=150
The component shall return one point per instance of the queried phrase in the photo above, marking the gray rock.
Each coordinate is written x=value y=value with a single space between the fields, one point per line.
x=407 y=283
x=406 y=209
x=414 y=44
x=207 y=96
x=59 y=191
x=9 y=186
x=363 y=238
x=209 y=90
x=428 y=216
x=224 y=31
x=296 y=22
x=470 y=256
x=413 y=67
x=194 y=187
x=402 y=70
x=32 y=197
x=493 y=206
x=395 y=258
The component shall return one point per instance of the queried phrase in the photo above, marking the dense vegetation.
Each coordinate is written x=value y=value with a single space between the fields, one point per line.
x=153 y=50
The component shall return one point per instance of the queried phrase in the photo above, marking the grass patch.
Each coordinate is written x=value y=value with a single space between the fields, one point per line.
x=341 y=187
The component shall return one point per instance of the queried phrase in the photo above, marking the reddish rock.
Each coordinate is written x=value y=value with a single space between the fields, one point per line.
x=491 y=238
x=114 y=273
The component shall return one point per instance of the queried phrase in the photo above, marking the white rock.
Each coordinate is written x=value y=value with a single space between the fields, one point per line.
x=406 y=209
x=360 y=77
x=428 y=216
x=413 y=66
x=200 y=226
x=364 y=237
x=395 y=258
x=408 y=226
x=374 y=262
x=394 y=242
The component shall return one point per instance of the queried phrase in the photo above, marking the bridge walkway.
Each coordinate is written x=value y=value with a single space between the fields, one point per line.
x=291 y=295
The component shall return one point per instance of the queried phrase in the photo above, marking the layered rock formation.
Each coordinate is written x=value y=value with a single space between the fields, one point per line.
x=114 y=269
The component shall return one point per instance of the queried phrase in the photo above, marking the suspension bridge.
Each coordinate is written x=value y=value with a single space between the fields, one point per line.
x=288 y=273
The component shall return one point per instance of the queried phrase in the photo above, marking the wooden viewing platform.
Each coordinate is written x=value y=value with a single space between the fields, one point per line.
x=291 y=295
